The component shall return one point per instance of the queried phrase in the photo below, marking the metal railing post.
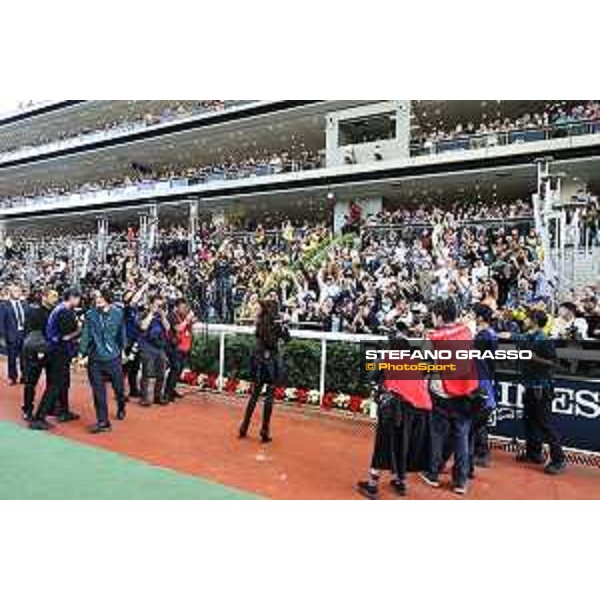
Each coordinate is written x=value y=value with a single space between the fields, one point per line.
x=221 y=359
x=323 y=369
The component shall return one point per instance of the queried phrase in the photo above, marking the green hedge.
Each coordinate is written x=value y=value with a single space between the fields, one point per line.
x=302 y=360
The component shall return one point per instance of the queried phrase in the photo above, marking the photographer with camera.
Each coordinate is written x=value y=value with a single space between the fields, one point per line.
x=537 y=375
x=181 y=320
x=154 y=332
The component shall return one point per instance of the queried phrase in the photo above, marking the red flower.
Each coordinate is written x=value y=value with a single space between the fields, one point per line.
x=190 y=378
x=231 y=386
x=327 y=402
x=301 y=395
x=211 y=381
x=279 y=393
x=355 y=403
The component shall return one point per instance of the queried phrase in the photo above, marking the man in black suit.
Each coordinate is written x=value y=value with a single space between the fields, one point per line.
x=12 y=329
x=35 y=346
x=62 y=331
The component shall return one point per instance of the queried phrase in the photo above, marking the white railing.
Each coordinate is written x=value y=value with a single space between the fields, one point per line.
x=322 y=336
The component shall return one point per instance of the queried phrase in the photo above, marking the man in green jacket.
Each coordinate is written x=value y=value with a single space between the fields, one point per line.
x=101 y=346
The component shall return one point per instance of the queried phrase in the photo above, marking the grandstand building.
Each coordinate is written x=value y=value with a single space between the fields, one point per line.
x=81 y=166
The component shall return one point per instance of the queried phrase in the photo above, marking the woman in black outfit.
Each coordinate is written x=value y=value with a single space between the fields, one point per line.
x=266 y=366
x=402 y=431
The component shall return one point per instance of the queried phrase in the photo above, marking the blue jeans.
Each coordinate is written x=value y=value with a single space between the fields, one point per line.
x=98 y=372
x=451 y=421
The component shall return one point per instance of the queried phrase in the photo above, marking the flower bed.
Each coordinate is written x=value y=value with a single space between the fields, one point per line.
x=353 y=403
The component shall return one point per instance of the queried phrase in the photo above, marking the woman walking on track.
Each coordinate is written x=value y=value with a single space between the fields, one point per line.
x=266 y=366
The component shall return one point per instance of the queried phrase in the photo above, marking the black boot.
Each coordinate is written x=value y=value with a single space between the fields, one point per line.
x=367 y=489
x=267 y=412
x=248 y=414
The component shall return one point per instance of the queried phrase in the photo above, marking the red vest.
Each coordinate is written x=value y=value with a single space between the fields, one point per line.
x=464 y=381
x=413 y=391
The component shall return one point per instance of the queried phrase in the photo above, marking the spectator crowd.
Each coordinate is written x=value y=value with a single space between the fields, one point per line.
x=373 y=278
x=557 y=119
x=252 y=164
x=163 y=113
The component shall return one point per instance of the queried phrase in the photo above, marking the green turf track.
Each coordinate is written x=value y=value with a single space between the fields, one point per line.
x=40 y=466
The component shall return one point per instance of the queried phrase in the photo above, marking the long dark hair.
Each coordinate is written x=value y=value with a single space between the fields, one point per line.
x=266 y=324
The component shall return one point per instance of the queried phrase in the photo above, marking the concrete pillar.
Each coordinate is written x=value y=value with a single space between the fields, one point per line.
x=153 y=227
x=102 y=238
x=193 y=226
x=2 y=239
x=143 y=239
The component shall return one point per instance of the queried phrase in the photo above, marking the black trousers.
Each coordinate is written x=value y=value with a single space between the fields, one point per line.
x=33 y=366
x=14 y=352
x=479 y=436
x=539 y=426
x=100 y=371
x=58 y=381
x=267 y=407
x=176 y=364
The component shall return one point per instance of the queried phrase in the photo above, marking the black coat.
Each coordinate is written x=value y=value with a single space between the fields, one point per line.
x=266 y=365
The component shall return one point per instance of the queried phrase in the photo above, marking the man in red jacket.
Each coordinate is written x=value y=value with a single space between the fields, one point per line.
x=454 y=398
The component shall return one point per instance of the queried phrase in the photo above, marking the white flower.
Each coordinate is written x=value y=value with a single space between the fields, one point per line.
x=243 y=388
x=342 y=401
x=314 y=397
